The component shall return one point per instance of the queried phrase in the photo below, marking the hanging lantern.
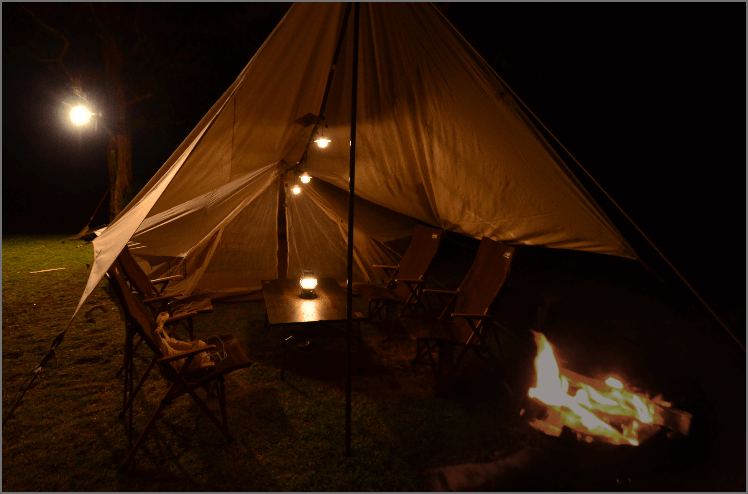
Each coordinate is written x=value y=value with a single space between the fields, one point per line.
x=296 y=189
x=305 y=178
x=308 y=283
x=322 y=142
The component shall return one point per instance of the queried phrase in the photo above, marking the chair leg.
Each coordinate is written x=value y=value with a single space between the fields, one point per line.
x=147 y=429
x=283 y=362
x=224 y=430
x=442 y=382
x=222 y=403
x=124 y=363
x=137 y=388
x=498 y=344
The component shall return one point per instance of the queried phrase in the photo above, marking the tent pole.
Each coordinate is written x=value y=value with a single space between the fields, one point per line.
x=351 y=184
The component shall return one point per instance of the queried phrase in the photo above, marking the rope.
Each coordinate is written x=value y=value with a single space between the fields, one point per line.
x=719 y=320
x=36 y=371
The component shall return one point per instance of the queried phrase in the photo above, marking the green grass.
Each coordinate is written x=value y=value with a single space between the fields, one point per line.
x=289 y=435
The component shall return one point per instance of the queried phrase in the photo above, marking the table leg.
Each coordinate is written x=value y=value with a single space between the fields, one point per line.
x=283 y=364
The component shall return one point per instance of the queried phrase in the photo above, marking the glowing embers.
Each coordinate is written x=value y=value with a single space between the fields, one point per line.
x=597 y=410
x=80 y=115
x=308 y=283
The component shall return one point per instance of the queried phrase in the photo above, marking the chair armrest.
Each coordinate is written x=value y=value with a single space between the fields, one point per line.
x=180 y=317
x=187 y=353
x=445 y=292
x=166 y=279
x=472 y=316
x=161 y=298
x=418 y=282
x=383 y=266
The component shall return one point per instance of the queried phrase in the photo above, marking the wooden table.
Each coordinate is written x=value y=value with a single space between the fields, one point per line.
x=285 y=307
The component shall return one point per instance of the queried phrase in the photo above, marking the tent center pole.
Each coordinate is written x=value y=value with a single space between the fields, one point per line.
x=352 y=181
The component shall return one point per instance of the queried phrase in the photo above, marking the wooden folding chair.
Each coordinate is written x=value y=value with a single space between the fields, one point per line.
x=407 y=280
x=179 y=307
x=154 y=298
x=183 y=381
x=465 y=320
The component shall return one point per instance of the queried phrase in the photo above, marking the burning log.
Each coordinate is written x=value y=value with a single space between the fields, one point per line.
x=596 y=410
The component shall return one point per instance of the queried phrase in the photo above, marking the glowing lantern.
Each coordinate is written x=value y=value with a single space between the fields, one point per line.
x=80 y=115
x=308 y=283
x=296 y=189
x=322 y=142
x=305 y=178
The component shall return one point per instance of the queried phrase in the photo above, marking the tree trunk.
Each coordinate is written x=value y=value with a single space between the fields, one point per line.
x=119 y=151
x=119 y=158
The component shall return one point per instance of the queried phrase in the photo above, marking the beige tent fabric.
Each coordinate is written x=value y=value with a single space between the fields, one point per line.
x=317 y=220
x=224 y=238
x=440 y=140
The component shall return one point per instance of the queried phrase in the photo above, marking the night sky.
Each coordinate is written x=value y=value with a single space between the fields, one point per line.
x=650 y=98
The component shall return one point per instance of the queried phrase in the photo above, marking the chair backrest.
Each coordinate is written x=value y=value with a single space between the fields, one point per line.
x=483 y=281
x=135 y=274
x=135 y=312
x=417 y=259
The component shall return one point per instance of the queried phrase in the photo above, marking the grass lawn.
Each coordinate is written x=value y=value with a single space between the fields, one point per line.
x=289 y=435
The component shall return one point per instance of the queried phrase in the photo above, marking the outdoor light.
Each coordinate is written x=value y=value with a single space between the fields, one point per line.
x=296 y=189
x=80 y=115
x=322 y=142
x=308 y=284
x=305 y=178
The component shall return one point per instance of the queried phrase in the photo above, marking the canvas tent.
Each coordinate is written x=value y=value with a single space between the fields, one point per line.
x=440 y=140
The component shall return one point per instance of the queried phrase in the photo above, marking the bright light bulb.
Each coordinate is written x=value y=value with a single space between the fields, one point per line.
x=305 y=178
x=296 y=189
x=80 y=115
x=308 y=283
x=322 y=142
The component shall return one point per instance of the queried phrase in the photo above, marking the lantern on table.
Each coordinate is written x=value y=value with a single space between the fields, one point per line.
x=308 y=284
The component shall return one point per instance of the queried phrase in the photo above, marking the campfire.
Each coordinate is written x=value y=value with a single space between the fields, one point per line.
x=597 y=410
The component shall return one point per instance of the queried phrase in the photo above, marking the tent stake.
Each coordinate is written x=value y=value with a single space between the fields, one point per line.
x=352 y=181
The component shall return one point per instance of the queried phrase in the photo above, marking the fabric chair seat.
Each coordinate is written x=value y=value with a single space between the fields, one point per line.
x=193 y=303
x=234 y=359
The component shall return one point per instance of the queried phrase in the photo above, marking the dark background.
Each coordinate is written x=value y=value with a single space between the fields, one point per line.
x=650 y=98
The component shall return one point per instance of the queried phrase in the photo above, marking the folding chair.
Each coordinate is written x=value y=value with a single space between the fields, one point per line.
x=179 y=307
x=465 y=320
x=181 y=381
x=154 y=297
x=407 y=280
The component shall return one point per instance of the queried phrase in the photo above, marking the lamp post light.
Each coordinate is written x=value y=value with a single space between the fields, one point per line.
x=80 y=115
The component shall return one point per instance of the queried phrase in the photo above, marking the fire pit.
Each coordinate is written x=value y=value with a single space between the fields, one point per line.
x=596 y=410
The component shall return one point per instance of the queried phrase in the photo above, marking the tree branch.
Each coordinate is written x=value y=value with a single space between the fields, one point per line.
x=138 y=99
x=65 y=46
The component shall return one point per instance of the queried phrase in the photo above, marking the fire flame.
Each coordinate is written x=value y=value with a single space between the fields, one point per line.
x=595 y=409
